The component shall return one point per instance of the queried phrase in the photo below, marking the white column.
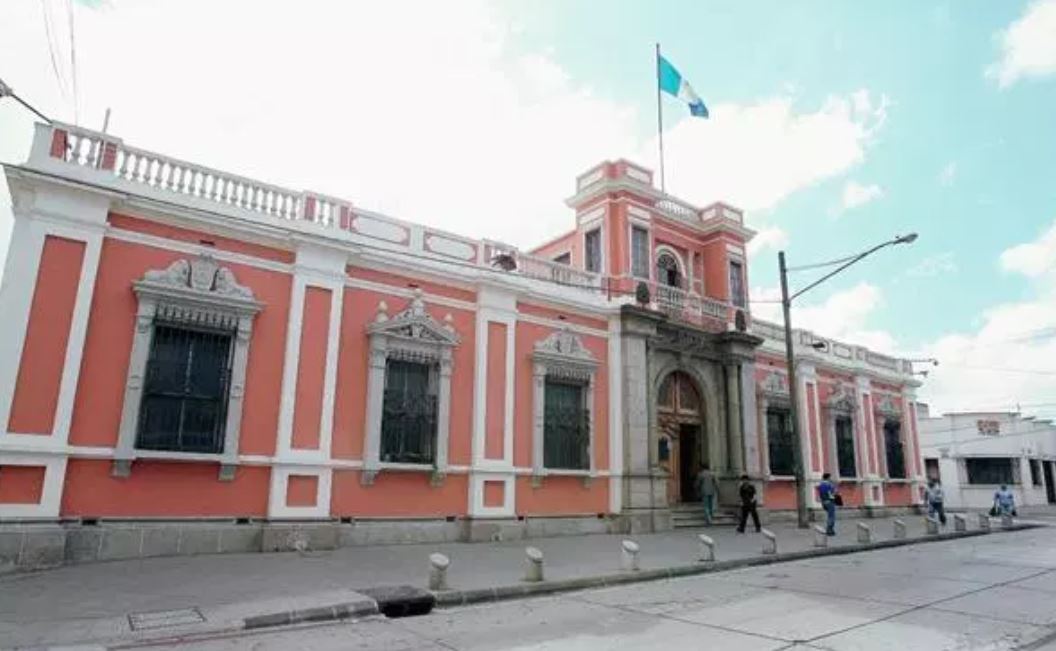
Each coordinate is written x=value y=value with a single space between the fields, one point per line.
x=615 y=422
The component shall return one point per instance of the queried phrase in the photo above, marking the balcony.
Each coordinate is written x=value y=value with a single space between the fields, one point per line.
x=701 y=311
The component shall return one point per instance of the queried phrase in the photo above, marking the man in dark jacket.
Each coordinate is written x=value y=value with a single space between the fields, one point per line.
x=747 y=492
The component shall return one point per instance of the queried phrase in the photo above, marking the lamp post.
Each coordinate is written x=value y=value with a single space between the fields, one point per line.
x=802 y=516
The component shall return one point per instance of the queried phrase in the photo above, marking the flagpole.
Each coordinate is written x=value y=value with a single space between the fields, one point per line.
x=660 y=121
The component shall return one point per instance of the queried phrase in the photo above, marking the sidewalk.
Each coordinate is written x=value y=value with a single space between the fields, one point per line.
x=94 y=602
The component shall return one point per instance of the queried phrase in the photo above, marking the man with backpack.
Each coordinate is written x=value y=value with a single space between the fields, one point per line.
x=829 y=500
x=748 y=506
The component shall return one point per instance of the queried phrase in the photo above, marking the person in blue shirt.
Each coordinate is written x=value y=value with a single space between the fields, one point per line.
x=827 y=495
x=1005 y=501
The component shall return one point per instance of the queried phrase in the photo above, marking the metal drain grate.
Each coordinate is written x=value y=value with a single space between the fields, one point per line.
x=165 y=619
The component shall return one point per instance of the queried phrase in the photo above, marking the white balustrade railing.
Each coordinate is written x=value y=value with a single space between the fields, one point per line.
x=678 y=209
x=680 y=304
x=543 y=269
x=190 y=180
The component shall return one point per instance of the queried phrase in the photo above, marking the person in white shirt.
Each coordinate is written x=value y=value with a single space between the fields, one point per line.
x=936 y=500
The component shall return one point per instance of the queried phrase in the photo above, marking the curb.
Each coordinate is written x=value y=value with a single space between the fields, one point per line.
x=361 y=608
x=452 y=598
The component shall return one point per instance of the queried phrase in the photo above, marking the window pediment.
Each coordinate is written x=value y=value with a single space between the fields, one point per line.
x=842 y=400
x=197 y=290
x=414 y=326
x=774 y=387
x=563 y=354
x=886 y=406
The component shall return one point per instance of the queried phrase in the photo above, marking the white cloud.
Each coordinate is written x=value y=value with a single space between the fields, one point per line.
x=1028 y=46
x=755 y=155
x=771 y=237
x=1009 y=359
x=935 y=265
x=443 y=119
x=843 y=315
x=948 y=174
x=1032 y=259
x=856 y=195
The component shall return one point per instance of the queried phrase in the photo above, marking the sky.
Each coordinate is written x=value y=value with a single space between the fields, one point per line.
x=835 y=125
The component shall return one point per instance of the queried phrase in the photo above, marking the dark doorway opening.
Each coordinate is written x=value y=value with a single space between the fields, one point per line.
x=689 y=460
x=1050 y=490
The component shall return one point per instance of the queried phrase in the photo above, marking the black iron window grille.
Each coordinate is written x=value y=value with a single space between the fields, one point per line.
x=896 y=458
x=185 y=391
x=408 y=418
x=845 y=447
x=779 y=442
x=566 y=426
x=990 y=470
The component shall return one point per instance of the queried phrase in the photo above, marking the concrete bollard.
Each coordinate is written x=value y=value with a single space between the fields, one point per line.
x=533 y=564
x=960 y=523
x=1006 y=521
x=629 y=556
x=707 y=548
x=769 y=542
x=932 y=526
x=438 y=564
x=821 y=539
x=984 y=521
x=865 y=534
x=900 y=530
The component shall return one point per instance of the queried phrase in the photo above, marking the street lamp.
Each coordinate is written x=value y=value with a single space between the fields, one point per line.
x=802 y=517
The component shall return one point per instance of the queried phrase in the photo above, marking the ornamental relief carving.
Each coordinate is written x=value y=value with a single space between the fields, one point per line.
x=414 y=325
x=842 y=400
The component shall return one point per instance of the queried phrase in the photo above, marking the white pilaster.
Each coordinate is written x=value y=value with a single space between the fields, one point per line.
x=615 y=396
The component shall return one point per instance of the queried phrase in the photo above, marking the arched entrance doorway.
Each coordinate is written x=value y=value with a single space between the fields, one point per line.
x=680 y=418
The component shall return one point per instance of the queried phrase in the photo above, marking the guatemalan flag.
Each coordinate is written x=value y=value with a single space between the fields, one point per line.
x=674 y=84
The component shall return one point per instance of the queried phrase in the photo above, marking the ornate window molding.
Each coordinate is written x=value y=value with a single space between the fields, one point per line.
x=842 y=404
x=194 y=293
x=562 y=356
x=771 y=393
x=887 y=407
x=414 y=336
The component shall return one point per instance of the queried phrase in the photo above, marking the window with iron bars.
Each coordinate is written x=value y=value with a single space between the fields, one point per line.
x=779 y=442
x=184 y=407
x=408 y=417
x=566 y=426
x=990 y=470
x=896 y=457
x=845 y=447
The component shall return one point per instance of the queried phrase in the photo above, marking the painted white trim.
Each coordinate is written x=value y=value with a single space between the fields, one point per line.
x=82 y=306
x=221 y=255
x=615 y=396
x=16 y=300
x=500 y=307
x=603 y=241
x=51 y=491
x=567 y=325
x=291 y=361
x=280 y=477
x=330 y=373
x=476 y=495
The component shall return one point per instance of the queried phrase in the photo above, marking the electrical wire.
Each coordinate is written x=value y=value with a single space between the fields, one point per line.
x=73 y=64
x=819 y=265
x=998 y=369
x=51 y=48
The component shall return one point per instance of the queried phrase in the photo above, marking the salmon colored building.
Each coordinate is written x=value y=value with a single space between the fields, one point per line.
x=195 y=362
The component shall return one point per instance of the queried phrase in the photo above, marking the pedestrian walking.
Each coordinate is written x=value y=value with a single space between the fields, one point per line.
x=707 y=488
x=748 y=506
x=828 y=496
x=1004 y=502
x=936 y=500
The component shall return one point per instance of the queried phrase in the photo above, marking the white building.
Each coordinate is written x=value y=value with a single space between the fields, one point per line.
x=973 y=453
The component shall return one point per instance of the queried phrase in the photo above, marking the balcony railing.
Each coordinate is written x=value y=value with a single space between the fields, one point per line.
x=702 y=311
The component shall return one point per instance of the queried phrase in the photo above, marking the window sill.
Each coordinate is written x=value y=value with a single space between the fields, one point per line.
x=436 y=478
x=123 y=467
x=586 y=475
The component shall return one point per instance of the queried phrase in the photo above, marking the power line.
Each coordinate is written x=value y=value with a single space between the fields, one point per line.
x=818 y=265
x=998 y=369
x=73 y=63
x=51 y=48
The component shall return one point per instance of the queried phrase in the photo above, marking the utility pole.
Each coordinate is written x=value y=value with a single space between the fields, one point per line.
x=802 y=517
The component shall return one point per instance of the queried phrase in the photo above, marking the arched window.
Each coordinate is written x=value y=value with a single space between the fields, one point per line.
x=678 y=393
x=667 y=270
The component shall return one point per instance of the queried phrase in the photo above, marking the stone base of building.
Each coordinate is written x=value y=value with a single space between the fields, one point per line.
x=47 y=545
